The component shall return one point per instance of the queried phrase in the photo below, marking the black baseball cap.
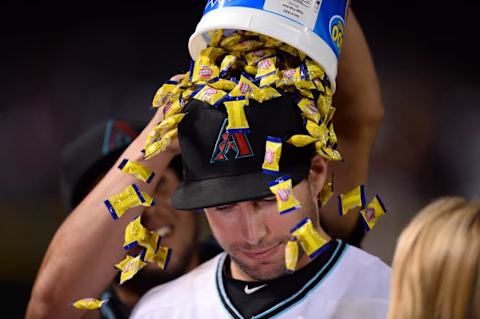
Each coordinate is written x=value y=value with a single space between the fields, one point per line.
x=89 y=156
x=222 y=168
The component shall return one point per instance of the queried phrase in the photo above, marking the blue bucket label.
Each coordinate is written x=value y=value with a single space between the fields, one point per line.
x=326 y=18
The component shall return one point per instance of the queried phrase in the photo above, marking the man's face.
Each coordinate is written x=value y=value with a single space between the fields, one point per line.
x=254 y=234
x=179 y=233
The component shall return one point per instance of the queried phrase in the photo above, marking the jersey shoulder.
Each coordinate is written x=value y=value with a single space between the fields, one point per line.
x=368 y=276
x=180 y=293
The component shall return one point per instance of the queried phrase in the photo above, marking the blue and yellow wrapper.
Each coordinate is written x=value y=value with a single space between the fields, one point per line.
x=326 y=193
x=291 y=255
x=372 y=213
x=312 y=243
x=237 y=120
x=164 y=94
x=210 y=95
x=89 y=303
x=273 y=151
x=118 y=204
x=354 y=198
x=129 y=267
x=283 y=191
x=137 y=170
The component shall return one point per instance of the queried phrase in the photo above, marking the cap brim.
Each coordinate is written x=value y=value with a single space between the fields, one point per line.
x=230 y=189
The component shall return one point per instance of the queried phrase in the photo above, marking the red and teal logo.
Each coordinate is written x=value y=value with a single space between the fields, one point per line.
x=231 y=145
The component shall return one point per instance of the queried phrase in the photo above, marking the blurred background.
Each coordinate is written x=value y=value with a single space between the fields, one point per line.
x=65 y=67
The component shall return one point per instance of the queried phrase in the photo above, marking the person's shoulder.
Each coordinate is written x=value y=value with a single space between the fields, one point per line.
x=369 y=275
x=179 y=293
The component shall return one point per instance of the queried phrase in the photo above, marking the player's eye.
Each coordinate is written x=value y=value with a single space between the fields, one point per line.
x=224 y=207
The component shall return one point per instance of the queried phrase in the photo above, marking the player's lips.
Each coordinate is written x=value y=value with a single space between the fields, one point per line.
x=262 y=253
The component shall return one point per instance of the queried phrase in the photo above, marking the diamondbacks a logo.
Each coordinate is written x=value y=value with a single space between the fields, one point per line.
x=230 y=143
x=117 y=134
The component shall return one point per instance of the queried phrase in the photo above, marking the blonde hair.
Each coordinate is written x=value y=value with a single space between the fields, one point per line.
x=436 y=267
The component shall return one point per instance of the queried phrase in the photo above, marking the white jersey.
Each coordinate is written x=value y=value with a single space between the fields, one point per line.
x=355 y=285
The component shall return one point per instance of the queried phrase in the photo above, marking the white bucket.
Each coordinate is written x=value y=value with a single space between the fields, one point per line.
x=313 y=26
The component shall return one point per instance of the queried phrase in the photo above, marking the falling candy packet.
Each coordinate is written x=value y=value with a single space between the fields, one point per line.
x=137 y=170
x=129 y=267
x=326 y=193
x=352 y=199
x=89 y=303
x=237 y=120
x=372 y=213
x=310 y=240
x=273 y=151
x=291 y=255
x=282 y=188
x=118 y=204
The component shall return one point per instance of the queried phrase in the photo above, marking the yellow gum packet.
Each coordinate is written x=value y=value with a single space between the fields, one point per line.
x=319 y=85
x=150 y=247
x=266 y=67
x=245 y=46
x=291 y=255
x=185 y=82
x=283 y=190
x=326 y=193
x=215 y=37
x=223 y=84
x=314 y=70
x=210 y=95
x=237 y=120
x=330 y=114
x=231 y=40
x=246 y=87
x=149 y=201
x=309 y=109
x=135 y=233
x=164 y=94
x=333 y=136
x=318 y=131
x=130 y=268
x=304 y=83
x=269 y=42
x=160 y=146
x=328 y=153
x=324 y=105
x=312 y=243
x=162 y=257
x=266 y=94
x=137 y=170
x=89 y=303
x=306 y=93
x=203 y=70
x=254 y=57
x=273 y=151
x=163 y=127
x=372 y=213
x=251 y=69
x=301 y=140
x=227 y=62
x=172 y=107
x=187 y=94
x=212 y=53
x=267 y=72
x=352 y=199
x=118 y=204
x=288 y=77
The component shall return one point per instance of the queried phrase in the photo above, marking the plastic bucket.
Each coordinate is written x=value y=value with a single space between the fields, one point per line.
x=313 y=26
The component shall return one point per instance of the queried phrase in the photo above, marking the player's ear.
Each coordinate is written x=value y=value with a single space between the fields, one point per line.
x=318 y=174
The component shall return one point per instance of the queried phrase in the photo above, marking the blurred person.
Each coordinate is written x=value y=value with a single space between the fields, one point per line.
x=436 y=266
x=85 y=161
x=62 y=278
x=248 y=280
